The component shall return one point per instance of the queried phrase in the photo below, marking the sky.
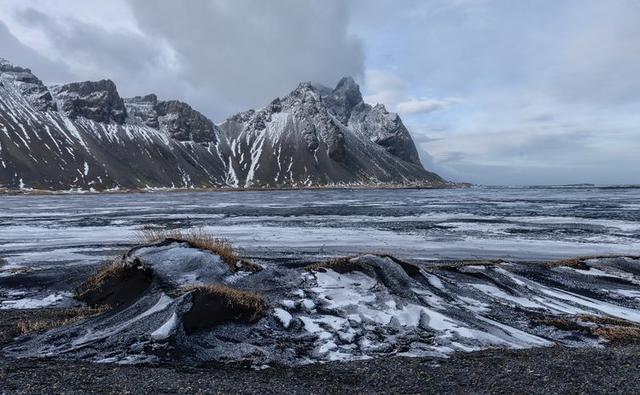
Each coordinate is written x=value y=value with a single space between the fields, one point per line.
x=495 y=92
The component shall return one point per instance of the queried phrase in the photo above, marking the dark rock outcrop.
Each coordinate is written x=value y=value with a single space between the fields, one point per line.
x=28 y=84
x=95 y=100
x=176 y=118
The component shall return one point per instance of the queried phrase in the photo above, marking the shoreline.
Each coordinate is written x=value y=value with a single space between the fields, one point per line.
x=44 y=192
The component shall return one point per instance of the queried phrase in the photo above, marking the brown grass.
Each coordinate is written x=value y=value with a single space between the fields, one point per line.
x=575 y=263
x=580 y=261
x=464 y=263
x=70 y=316
x=196 y=238
x=619 y=334
x=114 y=284
x=604 y=320
x=562 y=323
x=234 y=298
x=216 y=304
x=108 y=271
x=341 y=265
x=614 y=330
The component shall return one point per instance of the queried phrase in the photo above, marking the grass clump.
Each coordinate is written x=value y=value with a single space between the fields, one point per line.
x=115 y=284
x=214 y=304
x=619 y=334
x=574 y=263
x=198 y=238
x=341 y=265
x=612 y=329
x=580 y=262
x=64 y=318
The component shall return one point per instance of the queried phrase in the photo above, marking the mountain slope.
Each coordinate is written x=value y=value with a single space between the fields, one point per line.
x=85 y=136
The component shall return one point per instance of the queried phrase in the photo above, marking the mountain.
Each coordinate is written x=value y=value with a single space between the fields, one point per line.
x=83 y=135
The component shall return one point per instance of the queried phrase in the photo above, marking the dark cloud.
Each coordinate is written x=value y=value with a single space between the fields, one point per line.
x=220 y=56
x=250 y=51
x=132 y=60
x=14 y=51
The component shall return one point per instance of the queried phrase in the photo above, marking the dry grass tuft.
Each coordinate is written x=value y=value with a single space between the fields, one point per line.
x=108 y=271
x=562 y=323
x=619 y=334
x=575 y=263
x=196 y=238
x=215 y=304
x=614 y=330
x=69 y=317
x=340 y=265
x=114 y=284
x=580 y=261
x=604 y=320
x=447 y=265
x=234 y=298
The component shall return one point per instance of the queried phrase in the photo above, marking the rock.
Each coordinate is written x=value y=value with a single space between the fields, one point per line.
x=183 y=123
x=342 y=100
x=142 y=109
x=385 y=129
x=95 y=100
x=28 y=84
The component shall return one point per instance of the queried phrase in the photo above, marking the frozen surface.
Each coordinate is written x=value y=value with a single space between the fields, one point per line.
x=519 y=224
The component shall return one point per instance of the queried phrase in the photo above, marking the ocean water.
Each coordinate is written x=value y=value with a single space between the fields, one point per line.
x=510 y=223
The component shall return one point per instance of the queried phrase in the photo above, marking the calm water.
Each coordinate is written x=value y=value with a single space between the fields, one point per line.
x=526 y=223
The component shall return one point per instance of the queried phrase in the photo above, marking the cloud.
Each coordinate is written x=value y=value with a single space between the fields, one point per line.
x=19 y=53
x=222 y=56
x=387 y=88
x=426 y=106
x=250 y=51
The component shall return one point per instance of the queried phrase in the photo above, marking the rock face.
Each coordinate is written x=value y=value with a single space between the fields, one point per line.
x=34 y=91
x=176 y=118
x=84 y=135
x=98 y=101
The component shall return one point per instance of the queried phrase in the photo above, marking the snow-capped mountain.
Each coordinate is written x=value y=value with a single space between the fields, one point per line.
x=83 y=135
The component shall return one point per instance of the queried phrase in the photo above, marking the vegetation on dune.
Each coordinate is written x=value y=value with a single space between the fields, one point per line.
x=340 y=264
x=214 y=304
x=198 y=238
x=114 y=284
x=612 y=329
x=580 y=262
x=65 y=317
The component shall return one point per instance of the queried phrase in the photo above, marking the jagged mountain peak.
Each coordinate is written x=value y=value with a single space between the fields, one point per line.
x=95 y=100
x=93 y=138
x=28 y=85
x=344 y=98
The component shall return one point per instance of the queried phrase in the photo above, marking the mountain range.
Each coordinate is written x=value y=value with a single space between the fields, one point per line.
x=85 y=136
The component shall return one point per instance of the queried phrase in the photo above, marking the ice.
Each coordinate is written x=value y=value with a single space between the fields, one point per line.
x=166 y=329
x=34 y=303
x=284 y=316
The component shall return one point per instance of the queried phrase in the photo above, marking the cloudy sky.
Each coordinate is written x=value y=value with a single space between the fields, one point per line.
x=494 y=92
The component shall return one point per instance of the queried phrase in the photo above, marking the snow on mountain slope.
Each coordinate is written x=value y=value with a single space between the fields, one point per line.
x=85 y=136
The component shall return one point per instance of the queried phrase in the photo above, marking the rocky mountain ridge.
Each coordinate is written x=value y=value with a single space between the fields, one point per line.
x=83 y=135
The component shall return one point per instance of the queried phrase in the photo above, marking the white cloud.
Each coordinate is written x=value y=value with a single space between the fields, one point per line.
x=387 y=88
x=426 y=106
